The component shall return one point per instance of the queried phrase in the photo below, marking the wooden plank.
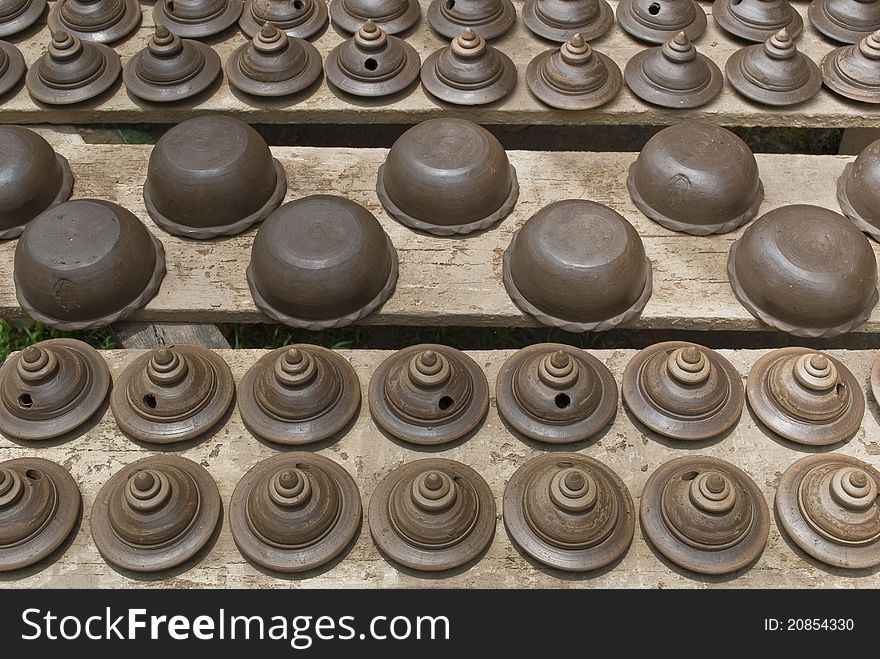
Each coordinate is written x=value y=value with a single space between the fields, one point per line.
x=325 y=107
x=493 y=451
x=142 y=335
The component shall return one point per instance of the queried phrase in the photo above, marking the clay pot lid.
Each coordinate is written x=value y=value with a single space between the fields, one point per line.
x=696 y=178
x=18 y=15
x=858 y=190
x=51 y=388
x=757 y=20
x=155 y=513
x=274 y=64
x=103 y=21
x=447 y=177
x=36 y=178
x=774 y=72
x=854 y=71
x=674 y=75
x=170 y=395
x=574 y=77
x=683 y=391
x=72 y=71
x=12 y=67
x=170 y=68
x=705 y=515
x=432 y=515
x=488 y=18
x=295 y=512
x=569 y=511
x=805 y=396
x=828 y=505
x=300 y=19
x=594 y=252
x=196 y=19
x=846 y=21
x=39 y=507
x=561 y=20
x=299 y=394
x=555 y=394
x=372 y=64
x=212 y=176
x=875 y=380
x=468 y=72
x=804 y=270
x=86 y=263
x=393 y=16
x=428 y=395
x=321 y=261
x=656 y=21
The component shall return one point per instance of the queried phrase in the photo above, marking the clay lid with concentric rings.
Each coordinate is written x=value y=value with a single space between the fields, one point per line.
x=72 y=71
x=300 y=19
x=561 y=20
x=757 y=20
x=846 y=21
x=854 y=71
x=858 y=190
x=12 y=68
x=488 y=18
x=655 y=21
x=197 y=19
x=103 y=21
x=18 y=15
x=393 y=16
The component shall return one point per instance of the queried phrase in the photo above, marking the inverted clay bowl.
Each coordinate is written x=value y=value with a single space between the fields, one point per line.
x=757 y=20
x=12 y=67
x=104 y=21
x=858 y=190
x=300 y=19
x=560 y=20
x=846 y=21
x=18 y=15
x=656 y=21
x=488 y=18
x=197 y=19
x=393 y=16
x=854 y=71
x=72 y=71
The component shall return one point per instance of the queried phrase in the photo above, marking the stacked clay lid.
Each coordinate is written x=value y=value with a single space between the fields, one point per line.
x=574 y=76
x=155 y=514
x=197 y=19
x=569 y=511
x=372 y=64
x=274 y=64
x=846 y=21
x=696 y=178
x=295 y=512
x=805 y=396
x=446 y=177
x=18 y=15
x=72 y=71
x=12 y=67
x=86 y=263
x=212 y=176
x=804 y=270
x=673 y=75
x=104 y=21
x=51 y=389
x=656 y=21
x=428 y=395
x=828 y=505
x=854 y=71
x=757 y=20
x=560 y=20
x=705 y=515
x=432 y=515
x=468 y=72
x=321 y=261
x=35 y=176
x=39 y=506
x=683 y=391
x=173 y=394
x=300 y=19
x=393 y=16
x=578 y=265
x=488 y=18
x=858 y=190
x=170 y=68
x=299 y=394
x=555 y=394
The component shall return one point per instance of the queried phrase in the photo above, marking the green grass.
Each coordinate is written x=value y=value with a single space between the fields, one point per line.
x=15 y=335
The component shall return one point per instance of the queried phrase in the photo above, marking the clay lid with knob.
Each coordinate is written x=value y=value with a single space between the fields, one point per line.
x=39 y=507
x=12 y=67
x=805 y=396
x=172 y=394
x=854 y=71
x=561 y=20
x=656 y=21
x=569 y=512
x=428 y=395
x=103 y=21
x=804 y=270
x=705 y=515
x=299 y=394
x=574 y=76
x=274 y=64
x=155 y=514
x=72 y=71
x=828 y=505
x=555 y=394
x=393 y=16
x=300 y=19
x=432 y=515
x=846 y=21
x=488 y=18
x=18 y=15
x=447 y=177
x=295 y=512
x=372 y=64
x=578 y=265
x=86 y=263
x=757 y=20
x=858 y=190
x=197 y=19
x=468 y=72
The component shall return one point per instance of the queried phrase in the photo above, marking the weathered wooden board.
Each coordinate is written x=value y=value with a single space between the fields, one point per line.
x=493 y=451
x=324 y=106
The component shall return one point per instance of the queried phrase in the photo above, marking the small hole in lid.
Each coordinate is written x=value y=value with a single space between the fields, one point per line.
x=450 y=4
x=654 y=9
x=371 y=64
x=34 y=474
x=562 y=401
x=689 y=476
x=298 y=5
x=25 y=401
x=445 y=403
x=150 y=401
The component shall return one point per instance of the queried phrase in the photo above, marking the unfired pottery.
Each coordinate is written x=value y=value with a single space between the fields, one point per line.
x=197 y=19
x=656 y=21
x=488 y=18
x=757 y=20
x=18 y=15
x=560 y=20
x=858 y=190
x=12 y=67
x=300 y=19
x=854 y=71
x=103 y=21
x=72 y=71
x=846 y=21
x=393 y=16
